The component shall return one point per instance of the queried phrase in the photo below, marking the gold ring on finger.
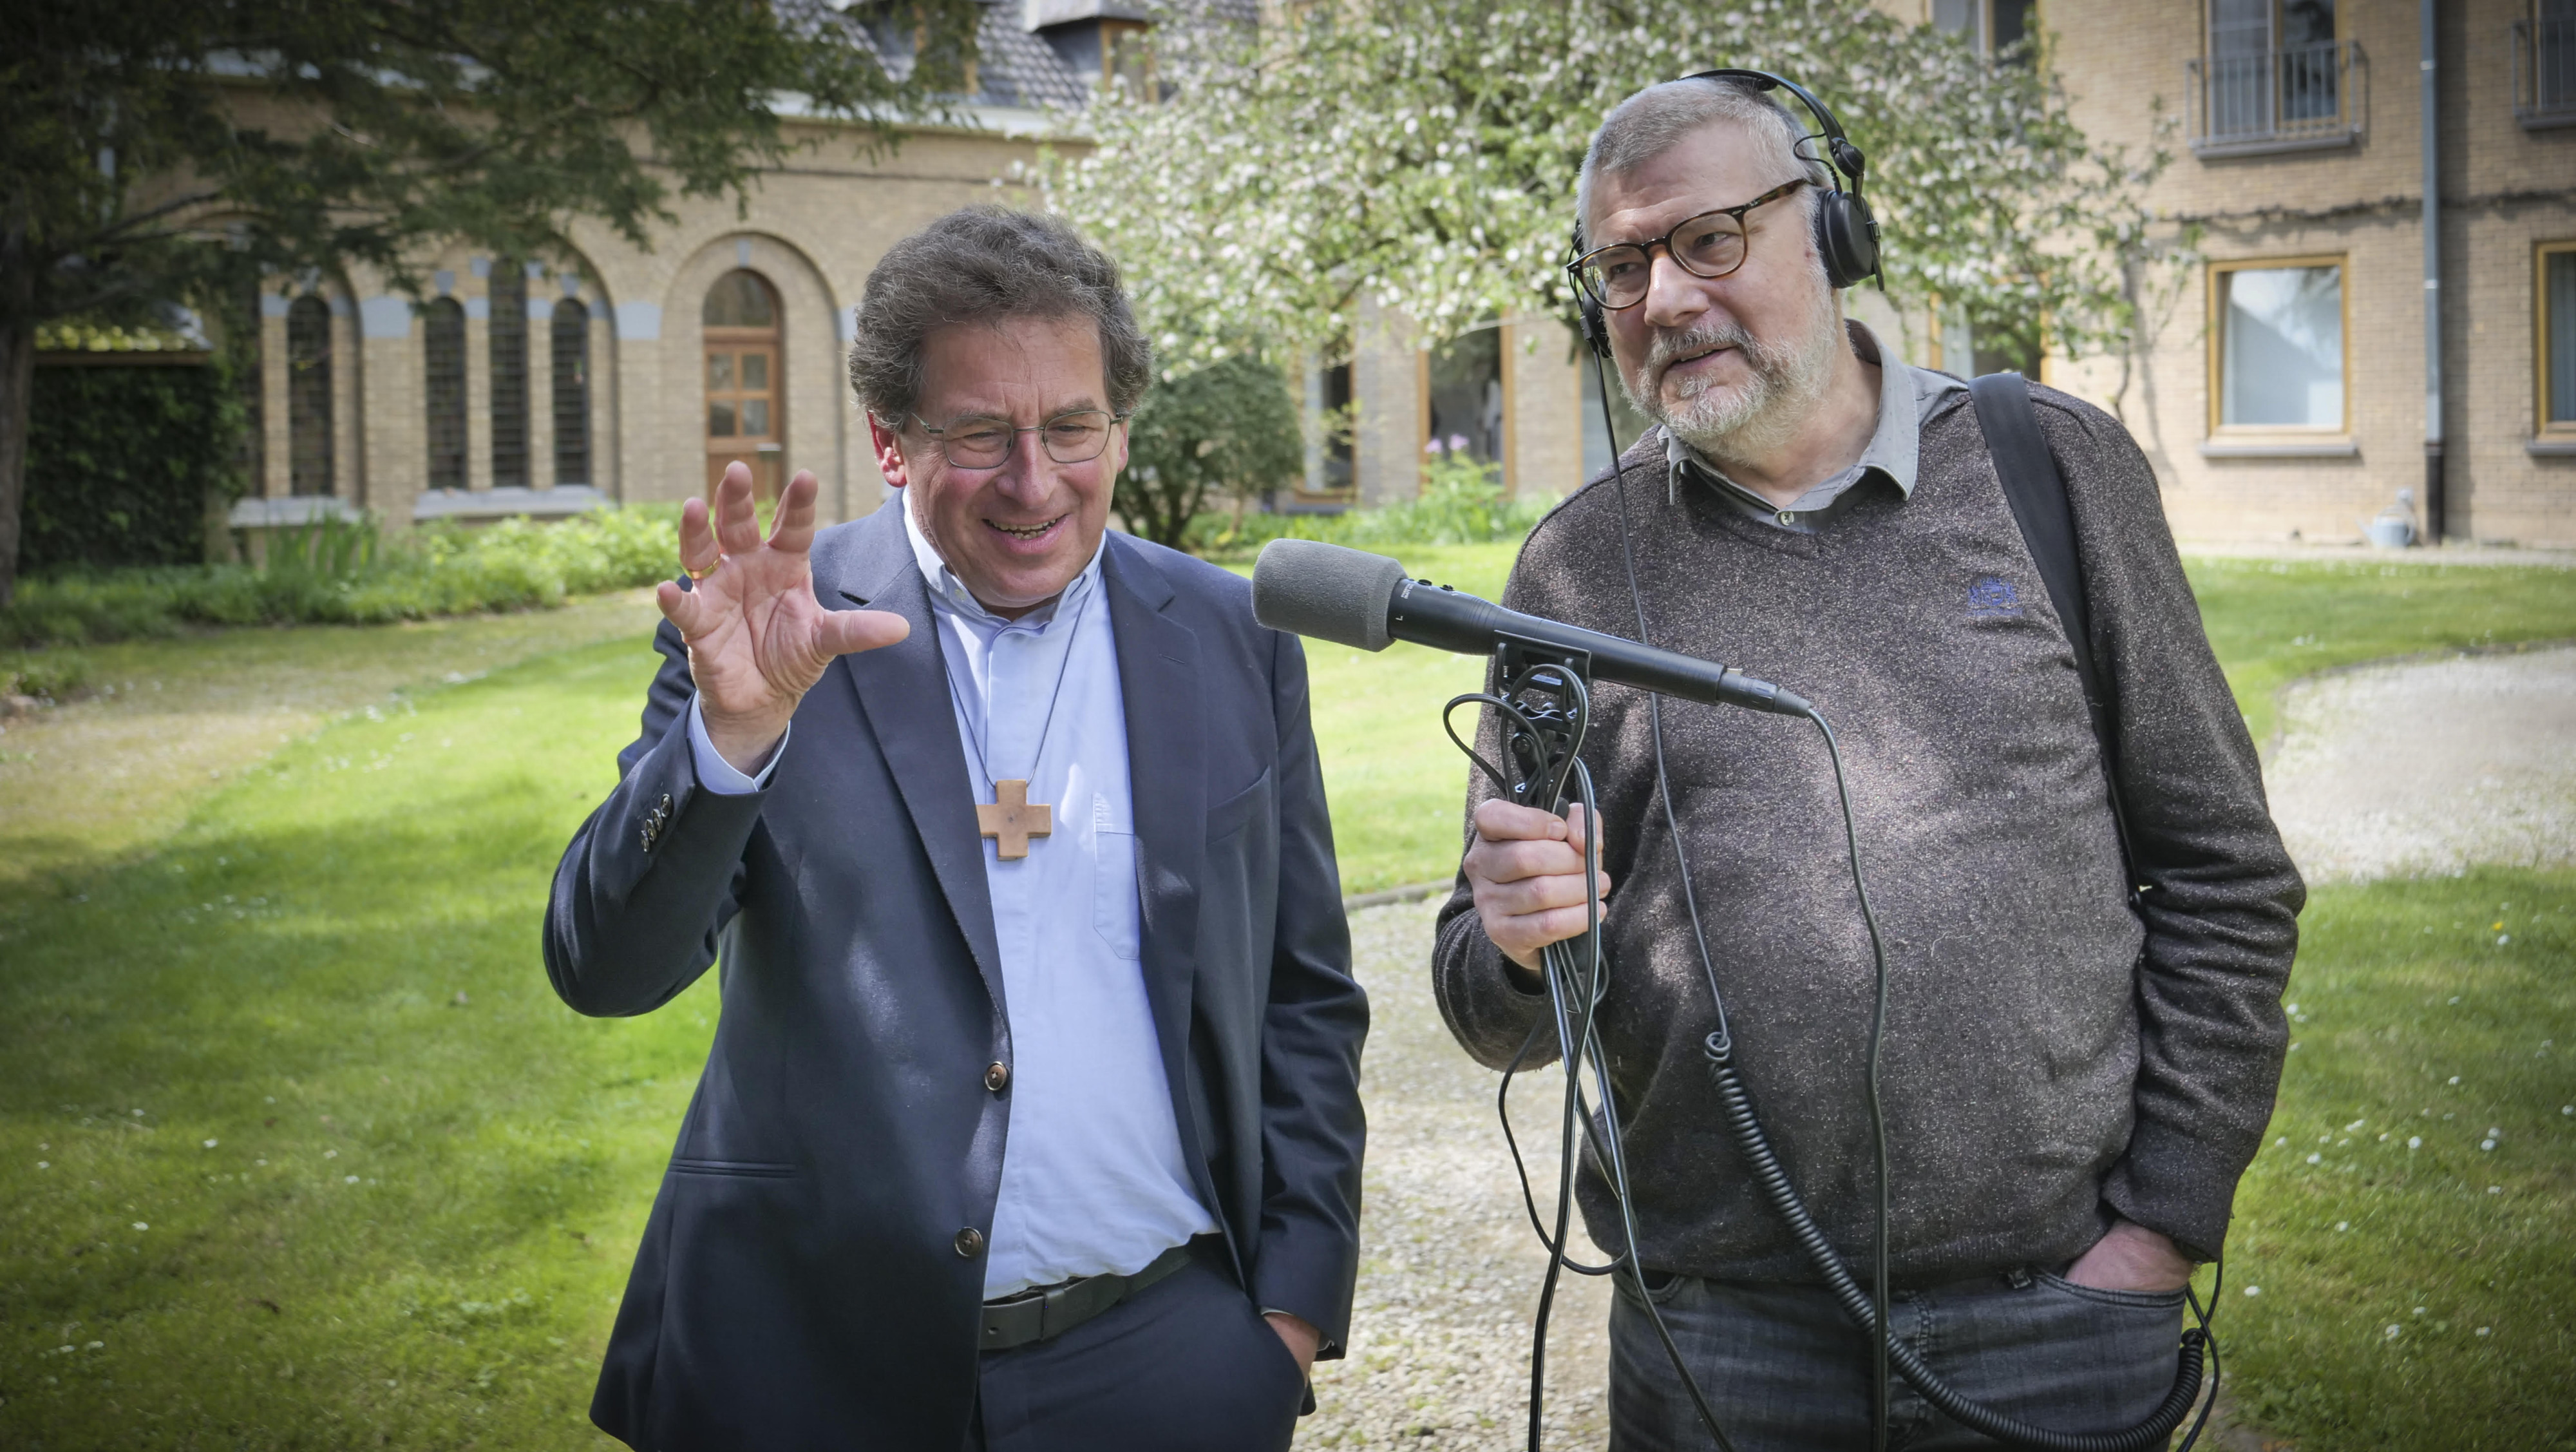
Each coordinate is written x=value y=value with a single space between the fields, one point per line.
x=696 y=574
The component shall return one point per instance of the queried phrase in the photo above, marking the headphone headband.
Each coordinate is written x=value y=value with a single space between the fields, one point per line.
x=1841 y=154
x=1846 y=234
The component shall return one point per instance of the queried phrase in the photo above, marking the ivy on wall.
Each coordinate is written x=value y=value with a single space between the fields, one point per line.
x=121 y=461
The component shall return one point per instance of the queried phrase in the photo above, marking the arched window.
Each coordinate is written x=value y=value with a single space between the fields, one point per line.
x=740 y=300
x=745 y=400
x=509 y=342
x=308 y=395
x=443 y=374
x=572 y=392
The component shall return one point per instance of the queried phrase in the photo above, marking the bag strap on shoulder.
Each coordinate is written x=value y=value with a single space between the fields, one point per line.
x=2037 y=493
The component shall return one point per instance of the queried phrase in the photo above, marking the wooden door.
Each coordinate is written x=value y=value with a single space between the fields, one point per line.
x=744 y=411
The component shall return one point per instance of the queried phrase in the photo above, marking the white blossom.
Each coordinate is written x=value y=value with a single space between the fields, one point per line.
x=1425 y=152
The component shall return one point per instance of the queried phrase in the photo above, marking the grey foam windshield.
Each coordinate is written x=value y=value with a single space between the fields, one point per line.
x=1307 y=587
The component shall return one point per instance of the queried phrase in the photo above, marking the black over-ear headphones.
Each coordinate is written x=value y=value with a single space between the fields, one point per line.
x=1846 y=234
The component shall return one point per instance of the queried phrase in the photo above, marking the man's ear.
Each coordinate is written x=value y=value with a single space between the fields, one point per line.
x=1116 y=457
x=889 y=446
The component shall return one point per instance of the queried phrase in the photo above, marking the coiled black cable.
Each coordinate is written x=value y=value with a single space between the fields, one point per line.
x=1737 y=1106
x=1866 y=1310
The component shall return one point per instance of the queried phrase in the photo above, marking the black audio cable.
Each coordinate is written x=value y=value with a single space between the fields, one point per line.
x=1576 y=971
x=1867 y=1310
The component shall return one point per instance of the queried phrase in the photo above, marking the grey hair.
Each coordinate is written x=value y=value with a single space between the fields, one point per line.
x=1661 y=117
x=988 y=265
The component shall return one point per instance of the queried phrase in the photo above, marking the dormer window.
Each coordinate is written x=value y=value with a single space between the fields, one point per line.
x=1127 y=57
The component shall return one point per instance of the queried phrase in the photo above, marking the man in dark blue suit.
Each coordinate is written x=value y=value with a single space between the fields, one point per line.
x=1032 y=1119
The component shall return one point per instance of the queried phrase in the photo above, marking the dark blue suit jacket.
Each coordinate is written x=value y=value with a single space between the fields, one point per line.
x=800 y=1283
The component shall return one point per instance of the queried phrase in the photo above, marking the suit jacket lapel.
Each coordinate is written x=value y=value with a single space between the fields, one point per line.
x=902 y=692
x=1166 y=769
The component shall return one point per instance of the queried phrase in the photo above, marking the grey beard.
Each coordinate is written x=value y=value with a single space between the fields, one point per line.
x=1751 y=419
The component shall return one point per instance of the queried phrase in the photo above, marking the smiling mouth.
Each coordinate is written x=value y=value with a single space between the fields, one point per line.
x=1026 y=531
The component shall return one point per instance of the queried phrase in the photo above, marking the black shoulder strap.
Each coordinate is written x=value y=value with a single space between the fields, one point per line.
x=2037 y=494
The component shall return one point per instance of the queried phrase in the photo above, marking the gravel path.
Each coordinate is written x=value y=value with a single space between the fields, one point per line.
x=1449 y=1268
x=2415 y=769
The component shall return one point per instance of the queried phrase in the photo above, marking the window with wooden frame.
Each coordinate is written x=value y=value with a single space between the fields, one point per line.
x=1991 y=26
x=2553 y=318
x=1127 y=57
x=2273 y=75
x=2279 y=346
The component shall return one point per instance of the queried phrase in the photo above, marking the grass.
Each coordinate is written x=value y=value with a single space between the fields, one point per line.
x=273 y=960
x=2414 y=1273
x=299 y=1150
x=2273 y=621
x=1397 y=786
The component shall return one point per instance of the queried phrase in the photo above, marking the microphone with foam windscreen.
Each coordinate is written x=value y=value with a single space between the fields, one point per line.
x=1350 y=597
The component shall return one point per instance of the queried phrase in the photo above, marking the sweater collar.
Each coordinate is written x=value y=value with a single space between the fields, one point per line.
x=1906 y=396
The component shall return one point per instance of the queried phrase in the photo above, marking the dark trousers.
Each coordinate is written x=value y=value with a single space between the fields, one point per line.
x=1783 y=1368
x=1186 y=1366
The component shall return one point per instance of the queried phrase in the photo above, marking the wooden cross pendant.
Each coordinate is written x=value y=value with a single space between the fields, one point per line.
x=1011 y=819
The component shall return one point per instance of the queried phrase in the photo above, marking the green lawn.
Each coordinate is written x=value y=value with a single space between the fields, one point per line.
x=426 y=1176
x=1377 y=717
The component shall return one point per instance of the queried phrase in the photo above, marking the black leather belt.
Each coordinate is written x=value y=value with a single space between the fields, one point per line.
x=1044 y=1312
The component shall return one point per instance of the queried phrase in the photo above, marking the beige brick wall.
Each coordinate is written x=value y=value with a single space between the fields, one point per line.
x=2360 y=202
x=813 y=231
x=1386 y=390
x=1543 y=409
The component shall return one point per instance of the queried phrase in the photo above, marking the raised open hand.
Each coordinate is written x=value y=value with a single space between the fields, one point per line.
x=758 y=640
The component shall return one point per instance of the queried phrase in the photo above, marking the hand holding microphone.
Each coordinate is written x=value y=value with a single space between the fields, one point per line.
x=1526 y=871
x=1526 y=866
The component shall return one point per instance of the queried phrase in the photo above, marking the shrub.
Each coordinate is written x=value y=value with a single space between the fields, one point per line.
x=1461 y=503
x=1228 y=430
x=120 y=463
x=341 y=572
x=55 y=676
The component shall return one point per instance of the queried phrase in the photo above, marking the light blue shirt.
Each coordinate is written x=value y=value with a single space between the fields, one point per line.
x=1093 y=1177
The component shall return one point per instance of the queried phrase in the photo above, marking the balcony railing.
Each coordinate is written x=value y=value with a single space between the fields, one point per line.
x=2544 y=73
x=2278 y=100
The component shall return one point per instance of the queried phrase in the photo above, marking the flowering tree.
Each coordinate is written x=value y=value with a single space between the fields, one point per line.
x=1425 y=151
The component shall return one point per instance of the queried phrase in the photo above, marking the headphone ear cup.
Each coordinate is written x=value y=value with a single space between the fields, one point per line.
x=1846 y=238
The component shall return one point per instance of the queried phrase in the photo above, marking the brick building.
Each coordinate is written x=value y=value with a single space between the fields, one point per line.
x=633 y=375
x=2279 y=394
x=2283 y=393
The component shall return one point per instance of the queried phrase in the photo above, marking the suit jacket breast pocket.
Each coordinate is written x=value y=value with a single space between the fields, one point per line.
x=1250 y=805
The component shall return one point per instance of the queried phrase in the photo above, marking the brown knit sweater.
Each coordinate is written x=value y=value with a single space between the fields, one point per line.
x=2053 y=1057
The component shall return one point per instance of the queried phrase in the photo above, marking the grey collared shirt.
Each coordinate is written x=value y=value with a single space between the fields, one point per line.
x=1906 y=394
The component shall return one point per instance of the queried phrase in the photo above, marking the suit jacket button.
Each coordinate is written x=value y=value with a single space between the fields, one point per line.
x=663 y=807
x=997 y=1077
x=970 y=1242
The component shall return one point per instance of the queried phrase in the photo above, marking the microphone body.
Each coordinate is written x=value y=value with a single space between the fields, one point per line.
x=1353 y=598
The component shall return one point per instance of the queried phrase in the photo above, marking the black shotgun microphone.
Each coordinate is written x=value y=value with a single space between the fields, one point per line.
x=1306 y=587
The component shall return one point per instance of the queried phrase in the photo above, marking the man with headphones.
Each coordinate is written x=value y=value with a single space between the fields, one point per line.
x=2074 y=1073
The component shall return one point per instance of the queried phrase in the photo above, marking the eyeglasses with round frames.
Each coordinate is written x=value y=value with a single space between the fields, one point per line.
x=972 y=442
x=1711 y=244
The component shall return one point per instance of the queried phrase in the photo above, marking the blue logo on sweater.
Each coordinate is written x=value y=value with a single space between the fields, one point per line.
x=1990 y=598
